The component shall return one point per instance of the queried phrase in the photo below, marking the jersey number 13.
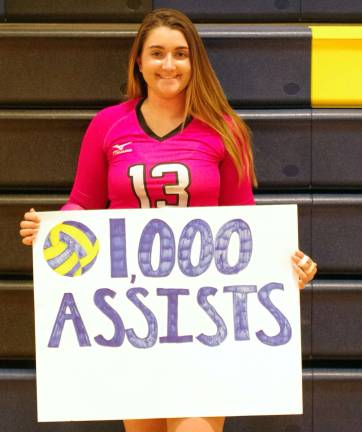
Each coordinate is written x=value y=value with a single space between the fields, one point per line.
x=137 y=174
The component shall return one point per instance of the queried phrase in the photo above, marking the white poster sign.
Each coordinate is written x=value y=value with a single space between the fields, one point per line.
x=173 y=312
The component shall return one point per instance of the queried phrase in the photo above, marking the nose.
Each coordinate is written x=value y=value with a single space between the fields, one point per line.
x=168 y=62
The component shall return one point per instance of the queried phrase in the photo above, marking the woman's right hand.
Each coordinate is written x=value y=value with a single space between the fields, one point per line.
x=29 y=227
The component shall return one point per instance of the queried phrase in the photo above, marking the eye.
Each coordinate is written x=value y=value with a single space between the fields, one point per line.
x=181 y=54
x=156 y=54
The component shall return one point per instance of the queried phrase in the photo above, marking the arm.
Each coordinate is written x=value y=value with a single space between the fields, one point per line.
x=90 y=185
x=232 y=190
x=90 y=190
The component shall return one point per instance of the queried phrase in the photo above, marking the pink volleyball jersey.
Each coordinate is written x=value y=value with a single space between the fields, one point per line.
x=123 y=164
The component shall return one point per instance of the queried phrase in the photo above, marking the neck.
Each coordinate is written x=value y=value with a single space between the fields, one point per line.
x=171 y=108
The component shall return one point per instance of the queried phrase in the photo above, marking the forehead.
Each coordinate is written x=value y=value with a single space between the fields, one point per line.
x=165 y=37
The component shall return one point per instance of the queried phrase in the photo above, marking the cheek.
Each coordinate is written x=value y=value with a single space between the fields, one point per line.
x=187 y=69
x=148 y=66
x=188 y=74
x=151 y=63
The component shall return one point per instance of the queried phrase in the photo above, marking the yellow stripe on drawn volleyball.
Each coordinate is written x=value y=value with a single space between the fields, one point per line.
x=71 y=248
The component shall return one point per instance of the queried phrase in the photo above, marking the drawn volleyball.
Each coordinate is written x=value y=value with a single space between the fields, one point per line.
x=71 y=248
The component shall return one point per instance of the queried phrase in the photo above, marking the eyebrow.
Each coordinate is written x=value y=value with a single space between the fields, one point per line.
x=161 y=47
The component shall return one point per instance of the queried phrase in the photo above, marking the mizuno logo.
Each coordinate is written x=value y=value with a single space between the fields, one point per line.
x=120 y=148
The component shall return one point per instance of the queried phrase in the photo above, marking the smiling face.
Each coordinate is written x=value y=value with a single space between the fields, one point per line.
x=165 y=63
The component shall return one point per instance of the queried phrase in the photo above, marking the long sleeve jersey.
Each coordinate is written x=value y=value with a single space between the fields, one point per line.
x=123 y=164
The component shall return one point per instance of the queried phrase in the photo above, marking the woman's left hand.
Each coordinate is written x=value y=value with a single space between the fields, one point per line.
x=305 y=268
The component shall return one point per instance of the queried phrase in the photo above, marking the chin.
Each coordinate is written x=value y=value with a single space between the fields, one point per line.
x=170 y=95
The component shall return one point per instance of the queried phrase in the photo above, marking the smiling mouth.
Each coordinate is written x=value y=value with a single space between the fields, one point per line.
x=173 y=77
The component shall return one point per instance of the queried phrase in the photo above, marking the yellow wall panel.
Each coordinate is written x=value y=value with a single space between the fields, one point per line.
x=336 y=76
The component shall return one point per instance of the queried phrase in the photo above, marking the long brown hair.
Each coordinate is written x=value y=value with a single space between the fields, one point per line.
x=205 y=98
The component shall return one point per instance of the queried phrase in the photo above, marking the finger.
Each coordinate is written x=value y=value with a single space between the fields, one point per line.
x=306 y=277
x=311 y=270
x=300 y=272
x=32 y=216
x=314 y=273
x=29 y=224
x=295 y=258
x=298 y=255
x=35 y=220
x=28 y=241
x=302 y=277
x=28 y=232
x=306 y=262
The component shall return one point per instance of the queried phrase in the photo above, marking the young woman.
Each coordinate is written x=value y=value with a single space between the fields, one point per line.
x=174 y=142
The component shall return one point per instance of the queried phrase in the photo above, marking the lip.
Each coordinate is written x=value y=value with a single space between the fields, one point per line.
x=166 y=77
